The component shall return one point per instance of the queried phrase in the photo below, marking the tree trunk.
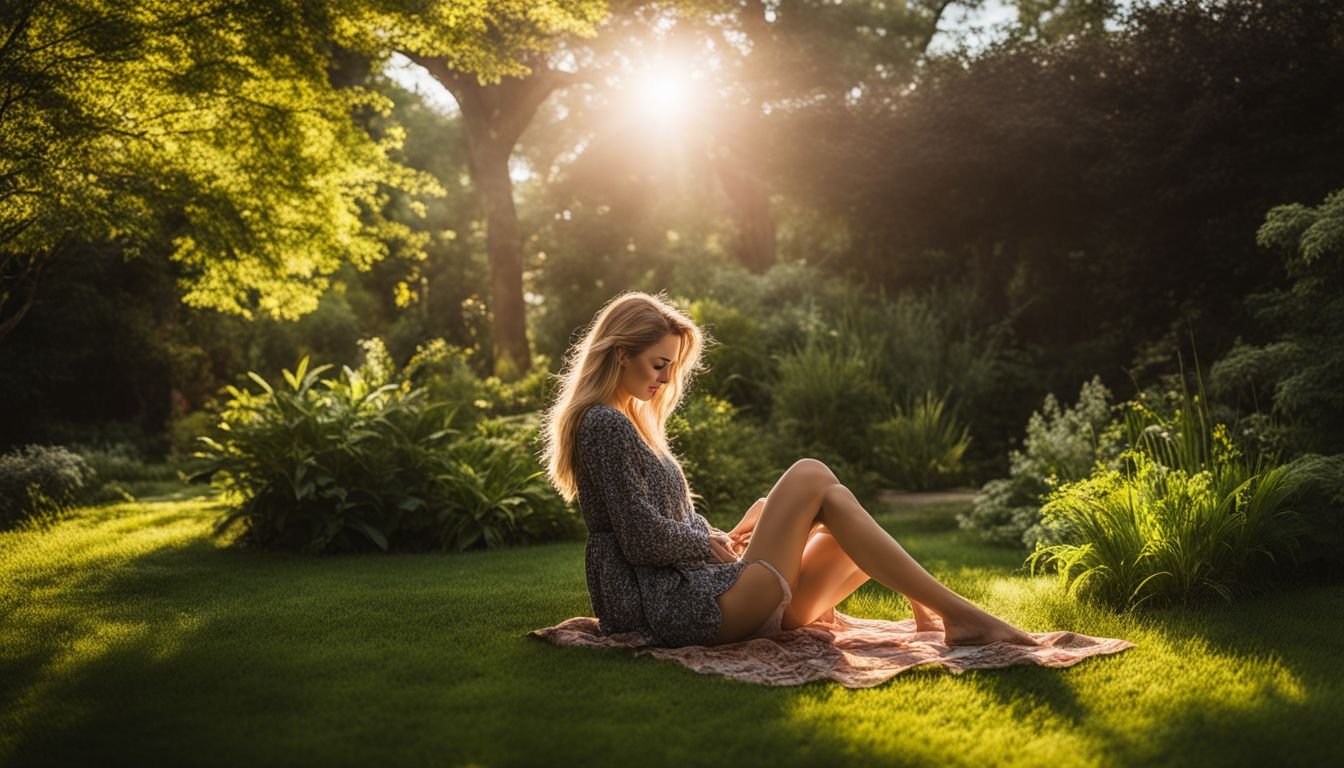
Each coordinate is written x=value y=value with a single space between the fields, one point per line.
x=504 y=245
x=749 y=204
x=14 y=279
x=748 y=194
x=495 y=116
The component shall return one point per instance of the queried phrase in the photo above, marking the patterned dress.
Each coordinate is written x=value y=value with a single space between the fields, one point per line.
x=648 y=562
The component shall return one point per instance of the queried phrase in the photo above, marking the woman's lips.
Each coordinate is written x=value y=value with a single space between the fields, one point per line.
x=653 y=389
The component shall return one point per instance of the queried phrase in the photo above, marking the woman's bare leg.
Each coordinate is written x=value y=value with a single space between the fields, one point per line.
x=779 y=536
x=829 y=576
x=925 y=619
x=807 y=493
x=884 y=559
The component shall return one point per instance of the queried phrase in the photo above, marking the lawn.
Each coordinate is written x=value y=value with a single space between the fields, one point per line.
x=129 y=635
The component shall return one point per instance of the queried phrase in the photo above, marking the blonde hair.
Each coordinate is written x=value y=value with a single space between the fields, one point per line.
x=632 y=321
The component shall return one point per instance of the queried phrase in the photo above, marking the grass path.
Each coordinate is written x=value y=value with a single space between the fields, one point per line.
x=129 y=636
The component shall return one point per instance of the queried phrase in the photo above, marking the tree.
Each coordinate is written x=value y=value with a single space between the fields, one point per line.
x=494 y=116
x=207 y=131
x=801 y=55
x=1297 y=371
x=1053 y=20
x=748 y=72
x=497 y=107
x=1101 y=190
x=498 y=89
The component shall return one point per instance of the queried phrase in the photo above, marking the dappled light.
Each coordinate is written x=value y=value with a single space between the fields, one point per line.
x=304 y=308
x=224 y=639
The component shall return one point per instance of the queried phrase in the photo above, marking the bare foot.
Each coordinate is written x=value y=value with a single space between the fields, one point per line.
x=928 y=623
x=990 y=630
x=925 y=619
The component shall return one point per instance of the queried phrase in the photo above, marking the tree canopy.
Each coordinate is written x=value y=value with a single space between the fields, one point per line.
x=214 y=131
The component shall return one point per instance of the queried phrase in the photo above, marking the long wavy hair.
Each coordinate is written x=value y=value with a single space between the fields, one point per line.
x=632 y=321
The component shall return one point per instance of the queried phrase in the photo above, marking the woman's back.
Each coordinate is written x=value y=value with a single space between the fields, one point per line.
x=648 y=561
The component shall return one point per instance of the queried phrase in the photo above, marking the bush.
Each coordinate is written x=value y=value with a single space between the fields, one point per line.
x=729 y=463
x=1298 y=374
x=921 y=446
x=825 y=399
x=498 y=492
x=1187 y=516
x=738 y=364
x=184 y=433
x=1167 y=535
x=447 y=372
x=40 y=481
x=1322 y=508
x=1061 y=445
x=366 y=461
x=121 y=469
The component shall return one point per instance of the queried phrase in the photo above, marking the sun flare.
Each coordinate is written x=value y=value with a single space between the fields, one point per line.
x=663 y=93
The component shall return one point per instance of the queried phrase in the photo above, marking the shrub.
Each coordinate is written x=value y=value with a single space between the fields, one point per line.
x=1188 y=515
x=1061 y=445
x=1298 y=375
x=738 y=364
x=1167 y=535
x=729 y=463
x=184 y=433
x=40 y=481
x=448 y=374
x=496 y=492
x=1322 y=509
x=825 y=398
x=365 y=461
x=921 y=446
x=120 y=469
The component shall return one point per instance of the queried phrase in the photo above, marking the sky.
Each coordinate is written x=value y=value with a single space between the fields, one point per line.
x=414 y=78
x=977 y=27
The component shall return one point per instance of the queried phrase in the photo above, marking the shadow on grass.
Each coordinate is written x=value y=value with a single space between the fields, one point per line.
x=175 y=650
x=197 y=654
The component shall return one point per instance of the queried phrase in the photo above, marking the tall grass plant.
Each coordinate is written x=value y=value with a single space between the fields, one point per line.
x=1188 y=516
x=921 y=446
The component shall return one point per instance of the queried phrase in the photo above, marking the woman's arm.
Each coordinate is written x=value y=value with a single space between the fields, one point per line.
x=748 y=523
x=608 y=448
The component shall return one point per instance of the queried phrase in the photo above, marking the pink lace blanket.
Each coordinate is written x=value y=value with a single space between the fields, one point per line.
x=857 y=653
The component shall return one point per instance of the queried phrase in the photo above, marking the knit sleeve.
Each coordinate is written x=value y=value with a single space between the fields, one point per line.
x=703 y=522
x=608 y=448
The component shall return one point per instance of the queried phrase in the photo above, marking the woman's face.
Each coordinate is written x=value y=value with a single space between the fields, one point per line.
x=644 y=374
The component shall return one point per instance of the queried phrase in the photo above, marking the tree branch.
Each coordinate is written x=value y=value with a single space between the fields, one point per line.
x=9 y=323
x=933 y=26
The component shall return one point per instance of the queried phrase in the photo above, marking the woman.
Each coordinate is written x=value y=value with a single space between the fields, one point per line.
x=654 y=565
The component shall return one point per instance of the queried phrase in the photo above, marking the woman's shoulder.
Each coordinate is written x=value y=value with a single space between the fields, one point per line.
x=601 y=413
x=602 y=419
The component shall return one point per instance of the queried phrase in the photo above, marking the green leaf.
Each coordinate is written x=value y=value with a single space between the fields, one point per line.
x=374 y=535
x=262 y=382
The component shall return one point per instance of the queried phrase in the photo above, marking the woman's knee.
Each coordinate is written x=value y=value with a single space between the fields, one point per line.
x=815 y=471
x=836 y=495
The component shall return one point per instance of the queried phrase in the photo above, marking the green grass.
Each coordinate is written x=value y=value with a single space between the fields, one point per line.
x=129 y=636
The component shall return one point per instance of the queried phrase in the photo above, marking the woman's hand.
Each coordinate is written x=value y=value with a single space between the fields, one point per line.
x=721 y=544
x=740 y=542
x=742 y=531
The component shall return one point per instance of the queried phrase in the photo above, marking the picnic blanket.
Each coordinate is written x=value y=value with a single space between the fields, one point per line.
x=855 y=652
